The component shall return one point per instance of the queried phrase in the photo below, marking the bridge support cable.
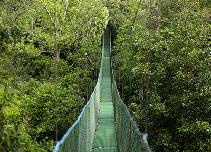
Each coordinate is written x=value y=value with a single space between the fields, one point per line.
x=105 y=122
x=137 y=141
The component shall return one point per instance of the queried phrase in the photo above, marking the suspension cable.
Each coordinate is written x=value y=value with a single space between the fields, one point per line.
x=87 y=87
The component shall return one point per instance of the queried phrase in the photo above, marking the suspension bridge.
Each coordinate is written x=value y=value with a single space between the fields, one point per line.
x=105 y=124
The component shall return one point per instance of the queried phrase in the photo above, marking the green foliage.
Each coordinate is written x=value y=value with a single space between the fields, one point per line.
x=48 y=105
x=167 y=58
x=45 y=76
x=13 y=132
x=161 y=58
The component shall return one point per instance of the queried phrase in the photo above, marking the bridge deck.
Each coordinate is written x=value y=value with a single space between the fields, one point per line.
x=105 y=135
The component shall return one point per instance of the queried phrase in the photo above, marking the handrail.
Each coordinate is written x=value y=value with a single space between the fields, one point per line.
x=68 y=133
x=143 y=136
x=87 y=120
x=74 y=124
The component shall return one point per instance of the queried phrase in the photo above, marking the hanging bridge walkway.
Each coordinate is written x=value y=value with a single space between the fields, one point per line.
x=104 y=124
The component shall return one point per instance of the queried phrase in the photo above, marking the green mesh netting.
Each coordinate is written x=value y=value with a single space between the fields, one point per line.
x=105 y=124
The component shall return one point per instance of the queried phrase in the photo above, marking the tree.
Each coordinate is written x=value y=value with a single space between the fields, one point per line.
x=169 y=47
x=43 y=70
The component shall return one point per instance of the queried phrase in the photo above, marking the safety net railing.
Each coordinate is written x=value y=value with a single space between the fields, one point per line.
x=129 y=138
x=80 y=136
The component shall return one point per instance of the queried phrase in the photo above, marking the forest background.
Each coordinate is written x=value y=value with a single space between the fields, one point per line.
x=49 y=61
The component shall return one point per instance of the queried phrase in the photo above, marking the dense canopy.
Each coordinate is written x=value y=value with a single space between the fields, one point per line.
x=49 y=64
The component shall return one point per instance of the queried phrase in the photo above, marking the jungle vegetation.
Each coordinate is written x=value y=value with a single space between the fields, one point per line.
x=49 y=61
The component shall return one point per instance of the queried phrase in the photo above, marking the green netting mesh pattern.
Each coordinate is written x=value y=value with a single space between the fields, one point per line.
x=105 y=124
x=79 y=138
x=129 y=138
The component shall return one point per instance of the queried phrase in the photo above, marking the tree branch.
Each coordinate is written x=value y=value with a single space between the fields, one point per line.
x=49 y=15
x=65 y=7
